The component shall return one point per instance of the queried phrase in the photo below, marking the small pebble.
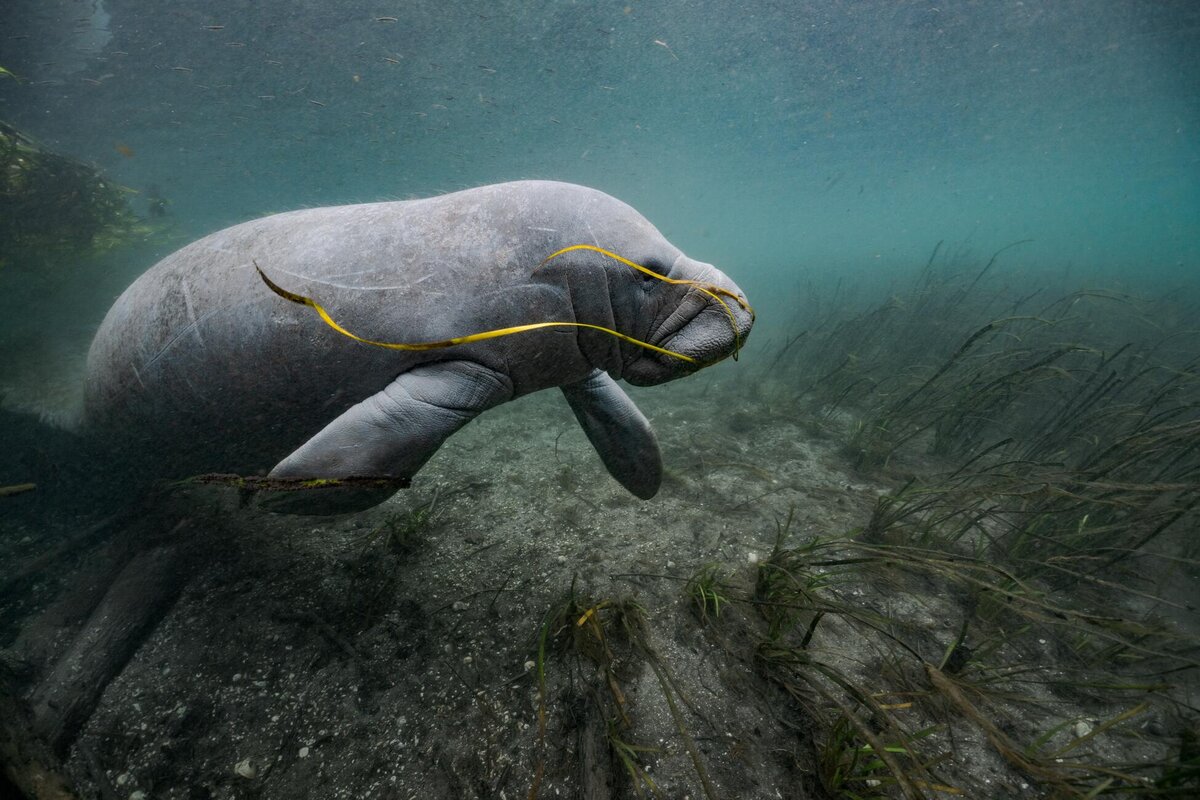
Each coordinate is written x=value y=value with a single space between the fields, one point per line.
x=460 y=605
x=304 y=752
x=1081 y=729
x=246 y=769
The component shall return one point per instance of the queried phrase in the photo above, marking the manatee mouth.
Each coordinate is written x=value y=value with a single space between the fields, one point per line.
x=713 y=334
x=700 y=328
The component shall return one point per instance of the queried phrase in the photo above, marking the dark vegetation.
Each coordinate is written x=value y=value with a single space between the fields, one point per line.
x=1046 y=451
x=53 y=208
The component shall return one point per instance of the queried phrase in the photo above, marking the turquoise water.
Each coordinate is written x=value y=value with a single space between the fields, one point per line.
x=776 y=139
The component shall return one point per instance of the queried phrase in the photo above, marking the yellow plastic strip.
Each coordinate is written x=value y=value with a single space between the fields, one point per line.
x=711 y=287
x=715 y=292
x=474 y=337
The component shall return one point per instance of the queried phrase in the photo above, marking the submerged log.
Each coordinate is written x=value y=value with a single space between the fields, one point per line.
x=142 y=593
x=74 y=543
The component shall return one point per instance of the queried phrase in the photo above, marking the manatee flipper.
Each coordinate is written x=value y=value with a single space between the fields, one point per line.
x=391 y=434
x=620 y=432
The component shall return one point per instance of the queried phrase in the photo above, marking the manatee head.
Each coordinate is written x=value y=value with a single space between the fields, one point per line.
x=697 y=313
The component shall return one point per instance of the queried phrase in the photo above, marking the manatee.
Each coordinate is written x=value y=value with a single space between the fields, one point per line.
x=335 y=349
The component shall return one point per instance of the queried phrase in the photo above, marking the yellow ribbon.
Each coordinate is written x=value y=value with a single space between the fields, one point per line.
x=715 y=292
x=474 y=337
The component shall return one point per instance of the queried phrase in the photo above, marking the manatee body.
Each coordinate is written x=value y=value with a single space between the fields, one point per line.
x=200 y=367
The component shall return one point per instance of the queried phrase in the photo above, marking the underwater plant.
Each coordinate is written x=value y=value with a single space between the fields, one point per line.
x=51 y=206
x=610 y=635
x=706 y=591
x=1043 y=450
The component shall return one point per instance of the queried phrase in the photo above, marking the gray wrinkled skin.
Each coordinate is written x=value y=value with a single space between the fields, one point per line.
x=199 y=367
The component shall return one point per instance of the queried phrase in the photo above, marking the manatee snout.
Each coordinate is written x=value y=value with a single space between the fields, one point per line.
x=710 y=322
